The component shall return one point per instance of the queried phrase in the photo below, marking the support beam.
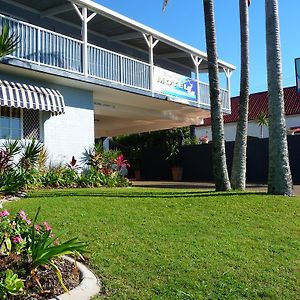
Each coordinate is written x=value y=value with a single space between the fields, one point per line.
x=151 y=44
x=56 y=10
x=197 y=61
x=175 y=55
x=126 y=36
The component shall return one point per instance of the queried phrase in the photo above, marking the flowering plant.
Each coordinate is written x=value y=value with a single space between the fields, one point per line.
x=203 y=139
x=34 y=244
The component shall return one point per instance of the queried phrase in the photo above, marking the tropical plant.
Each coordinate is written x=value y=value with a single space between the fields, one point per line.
x=30 y=154
x=44 y=250
x=7 y=152
x=173 y=153
x=8 y=42
x=12 y=181
x=73 y=164
x=35 y=245
x=262 y=120
x=11 y=285
x=238 y=171
x=280 y=179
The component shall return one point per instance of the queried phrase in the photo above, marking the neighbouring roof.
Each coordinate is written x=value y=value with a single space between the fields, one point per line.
x=258 y=102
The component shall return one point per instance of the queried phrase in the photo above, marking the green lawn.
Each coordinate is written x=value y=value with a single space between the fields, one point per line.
x=181 y=244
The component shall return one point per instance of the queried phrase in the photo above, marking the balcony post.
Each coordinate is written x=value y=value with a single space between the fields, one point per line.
x=228 y=74
x=85 y=41
x=197 y=61
x=151 y=44
x=83 y=14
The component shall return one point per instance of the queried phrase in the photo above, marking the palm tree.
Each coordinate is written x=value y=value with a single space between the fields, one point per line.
x=238 y=172
x=262 y=120
x=218 y=144
x=8 y=42
x=220 y=172
x=280 y=179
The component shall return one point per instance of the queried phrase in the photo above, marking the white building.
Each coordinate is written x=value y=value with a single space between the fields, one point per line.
x=83 y=71
x=258 y=103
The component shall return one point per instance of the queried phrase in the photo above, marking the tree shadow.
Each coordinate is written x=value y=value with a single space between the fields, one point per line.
x=146 y=194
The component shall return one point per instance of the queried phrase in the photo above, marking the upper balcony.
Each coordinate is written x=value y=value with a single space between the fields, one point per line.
x=145 y=61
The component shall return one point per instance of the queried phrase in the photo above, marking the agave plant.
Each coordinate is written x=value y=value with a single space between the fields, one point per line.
x=8 y=42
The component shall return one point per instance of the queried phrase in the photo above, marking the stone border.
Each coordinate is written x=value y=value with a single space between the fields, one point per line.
x=88 y=287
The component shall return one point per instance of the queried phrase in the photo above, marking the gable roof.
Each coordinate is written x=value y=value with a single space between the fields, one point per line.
x=258 y=102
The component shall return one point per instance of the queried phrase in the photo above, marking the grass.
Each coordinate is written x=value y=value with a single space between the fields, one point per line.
x=181 y=244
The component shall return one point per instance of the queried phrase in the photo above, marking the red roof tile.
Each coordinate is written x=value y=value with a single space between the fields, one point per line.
x=258 y=102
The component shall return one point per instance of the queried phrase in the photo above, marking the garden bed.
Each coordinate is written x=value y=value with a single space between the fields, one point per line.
x=46 y=276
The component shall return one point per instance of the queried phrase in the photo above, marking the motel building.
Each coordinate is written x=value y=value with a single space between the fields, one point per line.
x=82 y=71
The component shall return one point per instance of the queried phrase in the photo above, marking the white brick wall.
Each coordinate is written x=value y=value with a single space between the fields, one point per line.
x=70 y=133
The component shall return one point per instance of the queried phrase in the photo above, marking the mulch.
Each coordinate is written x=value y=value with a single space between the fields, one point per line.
x=46 y=276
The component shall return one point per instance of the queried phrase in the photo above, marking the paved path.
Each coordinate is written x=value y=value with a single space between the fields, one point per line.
x=200 y=185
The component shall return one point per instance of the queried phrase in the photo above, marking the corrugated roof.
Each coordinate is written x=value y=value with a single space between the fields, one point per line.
x=258 y=102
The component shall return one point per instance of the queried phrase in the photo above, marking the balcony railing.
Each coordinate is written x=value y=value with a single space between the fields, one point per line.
x=48 y=48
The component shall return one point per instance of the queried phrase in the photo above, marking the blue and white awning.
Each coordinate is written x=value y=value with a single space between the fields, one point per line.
x=19 y=95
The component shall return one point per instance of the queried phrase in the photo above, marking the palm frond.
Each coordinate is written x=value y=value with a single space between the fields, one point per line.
x=8 y=41
x=165 y=3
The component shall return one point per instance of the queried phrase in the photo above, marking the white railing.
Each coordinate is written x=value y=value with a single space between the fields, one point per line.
x=48 y=48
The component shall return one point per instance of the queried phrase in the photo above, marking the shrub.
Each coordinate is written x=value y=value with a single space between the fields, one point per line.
x=23 y=167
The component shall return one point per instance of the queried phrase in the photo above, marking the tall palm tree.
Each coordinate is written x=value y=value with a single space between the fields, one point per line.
x=8 y=42
x=280 y=179
x=218 y=144
x=220 y=172
x=238 y=172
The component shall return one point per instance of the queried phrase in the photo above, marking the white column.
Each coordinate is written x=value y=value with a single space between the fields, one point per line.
x=228 y=74
x=83 y=14
x=197 y=61
x=151 y=44
x=85 y=41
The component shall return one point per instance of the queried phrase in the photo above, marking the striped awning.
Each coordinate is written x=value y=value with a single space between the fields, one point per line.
x=19 y=95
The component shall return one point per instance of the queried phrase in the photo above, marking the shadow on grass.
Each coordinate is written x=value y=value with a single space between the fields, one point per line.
x=146 y=194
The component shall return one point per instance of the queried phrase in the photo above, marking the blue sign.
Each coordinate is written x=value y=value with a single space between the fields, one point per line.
x=174 y=85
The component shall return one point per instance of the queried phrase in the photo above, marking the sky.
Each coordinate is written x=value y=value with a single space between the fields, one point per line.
x=184 y=21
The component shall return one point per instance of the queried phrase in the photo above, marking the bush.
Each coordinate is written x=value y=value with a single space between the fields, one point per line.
x=29 y=171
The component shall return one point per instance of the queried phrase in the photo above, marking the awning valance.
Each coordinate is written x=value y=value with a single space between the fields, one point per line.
x=19 y=95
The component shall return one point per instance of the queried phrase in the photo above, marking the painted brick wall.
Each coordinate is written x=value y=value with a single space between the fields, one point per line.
x=70 y=133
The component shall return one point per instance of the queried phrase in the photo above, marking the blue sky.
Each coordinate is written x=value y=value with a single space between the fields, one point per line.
x=184 y=21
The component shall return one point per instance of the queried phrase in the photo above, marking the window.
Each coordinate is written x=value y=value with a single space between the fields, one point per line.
x=10 y=123
x=17 y=123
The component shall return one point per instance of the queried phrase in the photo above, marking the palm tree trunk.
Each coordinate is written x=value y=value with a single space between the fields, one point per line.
x=218 y=145
x=280 y=179
x=238 y=174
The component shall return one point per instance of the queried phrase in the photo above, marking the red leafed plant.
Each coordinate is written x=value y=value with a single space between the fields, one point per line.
x=121 y=162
